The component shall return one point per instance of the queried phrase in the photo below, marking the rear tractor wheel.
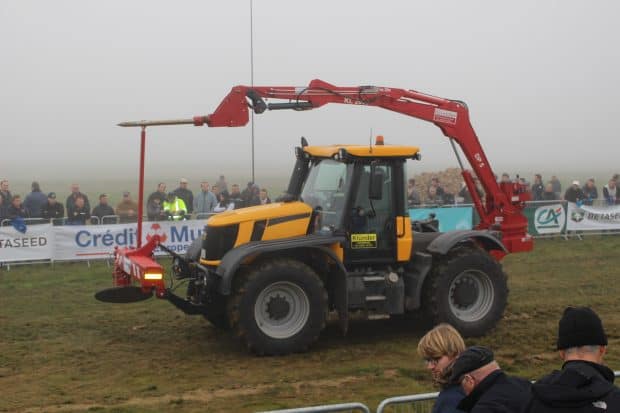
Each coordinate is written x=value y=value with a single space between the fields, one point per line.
x=467 y=289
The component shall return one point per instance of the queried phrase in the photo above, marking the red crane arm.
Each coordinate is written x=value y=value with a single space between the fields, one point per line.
x=503 y=206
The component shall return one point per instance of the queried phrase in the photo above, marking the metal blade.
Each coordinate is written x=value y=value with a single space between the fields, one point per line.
x=130 y=294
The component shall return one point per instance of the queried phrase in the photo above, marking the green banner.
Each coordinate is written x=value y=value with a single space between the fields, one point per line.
x=543 y=218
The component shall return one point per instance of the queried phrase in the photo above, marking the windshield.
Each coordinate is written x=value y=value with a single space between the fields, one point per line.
x=325 y=190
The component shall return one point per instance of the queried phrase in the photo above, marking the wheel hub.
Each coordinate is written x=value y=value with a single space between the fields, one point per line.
x=465 y=293
x=278 y=308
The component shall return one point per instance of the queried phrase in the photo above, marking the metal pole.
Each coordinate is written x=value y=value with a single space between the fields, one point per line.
x=141 y=184
x=252 y=78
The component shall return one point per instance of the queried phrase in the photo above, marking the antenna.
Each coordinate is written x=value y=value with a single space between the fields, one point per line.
x=252 y=78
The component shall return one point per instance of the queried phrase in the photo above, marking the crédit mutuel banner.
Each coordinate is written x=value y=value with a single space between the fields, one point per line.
x=98 y=241
x=590 y=218
x=34 y=242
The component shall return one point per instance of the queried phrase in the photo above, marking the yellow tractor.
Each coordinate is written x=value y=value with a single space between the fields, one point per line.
x=340 y=239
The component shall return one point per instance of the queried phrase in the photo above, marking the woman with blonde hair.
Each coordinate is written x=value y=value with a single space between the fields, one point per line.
x=440 y=347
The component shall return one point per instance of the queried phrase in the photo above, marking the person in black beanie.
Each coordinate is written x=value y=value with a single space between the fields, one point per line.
x=584 y=384
x=487 y=388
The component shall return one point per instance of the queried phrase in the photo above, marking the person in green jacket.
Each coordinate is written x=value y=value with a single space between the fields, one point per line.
x=174 y=207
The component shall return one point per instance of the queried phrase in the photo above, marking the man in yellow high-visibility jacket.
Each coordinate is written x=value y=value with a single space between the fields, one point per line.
x=174 y=207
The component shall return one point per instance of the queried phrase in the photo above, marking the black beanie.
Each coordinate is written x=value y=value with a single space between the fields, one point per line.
x=580 y=326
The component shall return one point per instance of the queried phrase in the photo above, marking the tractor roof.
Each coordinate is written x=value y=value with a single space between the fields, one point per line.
x=365 y=151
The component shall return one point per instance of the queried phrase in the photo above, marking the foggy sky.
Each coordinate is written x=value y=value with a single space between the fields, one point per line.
x=540 y=79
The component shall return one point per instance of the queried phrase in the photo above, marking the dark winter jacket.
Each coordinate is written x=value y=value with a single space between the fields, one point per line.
x=590 y=194
x=12 y=212
x=448 y=399
x=537 y=192
x=34 y=202
x=187 y=197
x=101 y=211
x=160 y=195
x=574 y=194
x=497 y=393
x=53 y=211
x=78 y=215
x=70 y=203
x=580 y=386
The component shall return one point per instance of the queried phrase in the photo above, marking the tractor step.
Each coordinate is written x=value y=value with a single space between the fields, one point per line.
x=378 y=316
x=373 y=278
x=375 y=298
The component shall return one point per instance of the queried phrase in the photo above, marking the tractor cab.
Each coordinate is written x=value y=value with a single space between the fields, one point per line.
x=359 y=192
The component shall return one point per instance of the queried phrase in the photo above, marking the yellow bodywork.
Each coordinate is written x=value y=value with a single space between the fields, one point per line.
x=281 y=220
x=374 y=151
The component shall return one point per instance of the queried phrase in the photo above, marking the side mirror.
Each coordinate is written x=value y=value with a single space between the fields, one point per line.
x=375 y=188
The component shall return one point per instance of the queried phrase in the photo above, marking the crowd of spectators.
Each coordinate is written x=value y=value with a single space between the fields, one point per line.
x=471 y=380
x=178 y=204
x=551 y=190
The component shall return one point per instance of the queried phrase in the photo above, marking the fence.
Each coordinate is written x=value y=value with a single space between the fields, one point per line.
x=415 y=403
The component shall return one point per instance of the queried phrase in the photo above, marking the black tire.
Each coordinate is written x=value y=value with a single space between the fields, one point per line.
x=467 y=289
x=278 y=307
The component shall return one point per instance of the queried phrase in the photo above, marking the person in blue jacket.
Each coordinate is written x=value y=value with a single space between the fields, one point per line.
x=439 y=348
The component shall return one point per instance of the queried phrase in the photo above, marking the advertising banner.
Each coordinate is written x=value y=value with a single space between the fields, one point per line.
x=35 y=243
x=592 y=218
x=83 y=242
x=450 y=219
x=545 y=217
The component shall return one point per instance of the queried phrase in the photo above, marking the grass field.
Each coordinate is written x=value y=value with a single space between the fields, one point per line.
x=62 y=351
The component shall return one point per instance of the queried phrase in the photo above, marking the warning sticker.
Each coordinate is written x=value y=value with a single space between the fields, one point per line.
x=363 y=241
x=445 y=116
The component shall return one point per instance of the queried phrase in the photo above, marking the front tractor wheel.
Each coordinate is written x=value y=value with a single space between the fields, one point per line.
x=467 y=289
x=280 y=307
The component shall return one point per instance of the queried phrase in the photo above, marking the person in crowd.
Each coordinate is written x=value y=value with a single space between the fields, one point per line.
x=583 y=384
x=222 y=184
x=263 y=197
x=103 y=209
x=205 y=200
x=438 y=188
x=127 y=209
x=35 y=200
x=16 y=209
x=505 y=178
x=235 y=196
x=70 y=204
x=6 y=196
x=413 y=196
x=2 y=209
x=174 y=207
x=439 y=348
x=53 y=209
x=5 y=193
x=160 y=193
x=155 y=210
x=487 y=388
x=186 y=195
x=247 y=194
x=432 y=197
x=224 y=203
x=79 y=212
x=549 y=194
x=538 y=188
x=464 y=192
x=590 y=192
x=557 y=186
x=611 y=192
x=574 y=193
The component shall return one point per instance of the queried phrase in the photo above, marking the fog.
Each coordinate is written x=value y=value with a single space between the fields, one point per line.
x=540 y=79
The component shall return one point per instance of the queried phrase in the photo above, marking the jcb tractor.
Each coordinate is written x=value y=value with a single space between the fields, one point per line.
x=340 y=239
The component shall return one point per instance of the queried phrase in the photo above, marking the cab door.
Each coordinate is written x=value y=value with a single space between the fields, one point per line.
x=370 y=223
